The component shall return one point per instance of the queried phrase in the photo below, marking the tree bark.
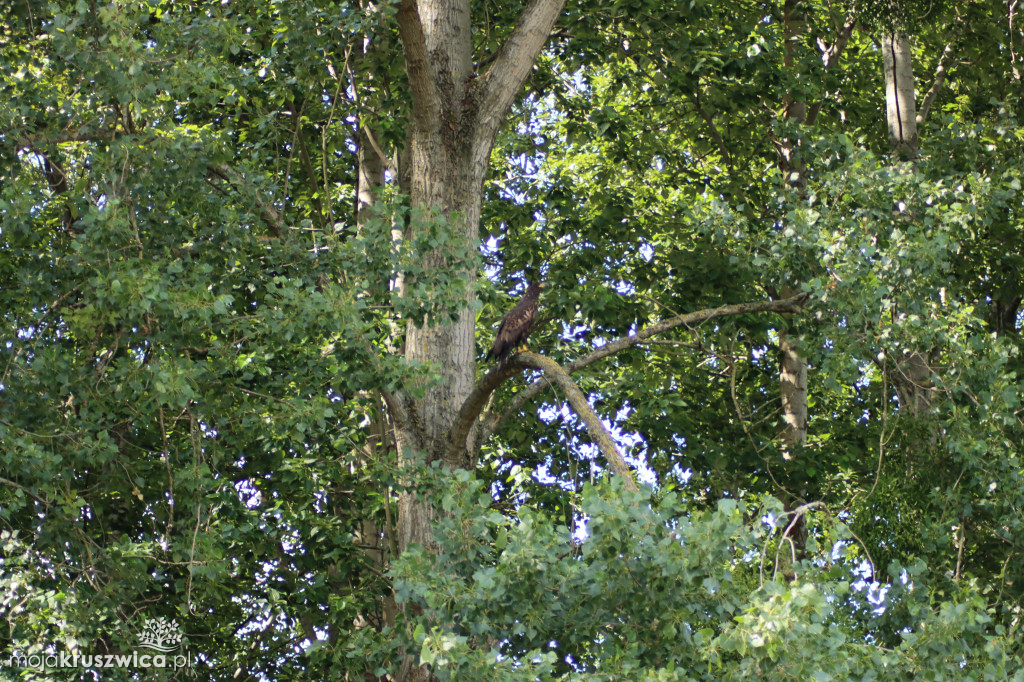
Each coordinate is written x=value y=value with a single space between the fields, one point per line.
x=455 y=119
x=793 y=392
x=913 y=379
x=900 y=105
x=792 y=365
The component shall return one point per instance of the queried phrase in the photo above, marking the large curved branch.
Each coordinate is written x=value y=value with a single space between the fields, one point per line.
x=491 y=422
x=598 y=431
x=474 y=405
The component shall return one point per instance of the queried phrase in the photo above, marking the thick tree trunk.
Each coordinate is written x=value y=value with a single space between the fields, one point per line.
x=793 y=390
x=441 y=179
x=455 y=119
x=792 y=363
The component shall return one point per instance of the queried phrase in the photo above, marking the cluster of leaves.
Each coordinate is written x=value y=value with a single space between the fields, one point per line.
x=651 y=588
x=660 y=191
x=190 y=349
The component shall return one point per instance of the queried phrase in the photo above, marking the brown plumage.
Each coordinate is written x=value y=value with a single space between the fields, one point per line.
x=517 y=324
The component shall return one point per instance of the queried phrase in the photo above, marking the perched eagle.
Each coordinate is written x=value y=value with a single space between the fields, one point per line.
x=517 y=324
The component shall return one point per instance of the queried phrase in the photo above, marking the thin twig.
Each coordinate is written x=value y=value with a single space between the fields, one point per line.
x=25 y=490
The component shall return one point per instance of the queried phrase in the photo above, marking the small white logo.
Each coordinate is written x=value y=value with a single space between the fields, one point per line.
x=159 y=635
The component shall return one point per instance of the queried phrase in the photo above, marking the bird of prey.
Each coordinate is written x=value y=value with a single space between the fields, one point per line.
x=517 y=324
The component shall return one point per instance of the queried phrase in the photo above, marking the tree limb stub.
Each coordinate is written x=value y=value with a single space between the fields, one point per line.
x=829 y=57
x=490 y=423
x=936 y=88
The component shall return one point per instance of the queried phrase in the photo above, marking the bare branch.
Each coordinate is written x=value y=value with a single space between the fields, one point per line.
x=364 y=127
x=18 y=486
x=83 y=134
x=933 y=92
x=492 y=421
x=598 y=431
x=1011 y=12
x=831 y=55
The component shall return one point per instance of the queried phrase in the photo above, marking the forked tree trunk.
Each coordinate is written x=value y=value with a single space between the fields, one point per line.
x=442 y=179
x=455 y=118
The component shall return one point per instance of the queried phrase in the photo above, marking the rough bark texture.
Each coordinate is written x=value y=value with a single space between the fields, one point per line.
x=792 y=363
x=793 y=391
x=455 y=119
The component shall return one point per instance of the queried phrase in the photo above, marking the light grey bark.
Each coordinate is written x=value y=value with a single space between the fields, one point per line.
x=900 y=104
x=913 y=379
x=793 y=392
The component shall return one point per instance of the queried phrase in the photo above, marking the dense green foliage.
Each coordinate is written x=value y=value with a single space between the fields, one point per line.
x=197 y=333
